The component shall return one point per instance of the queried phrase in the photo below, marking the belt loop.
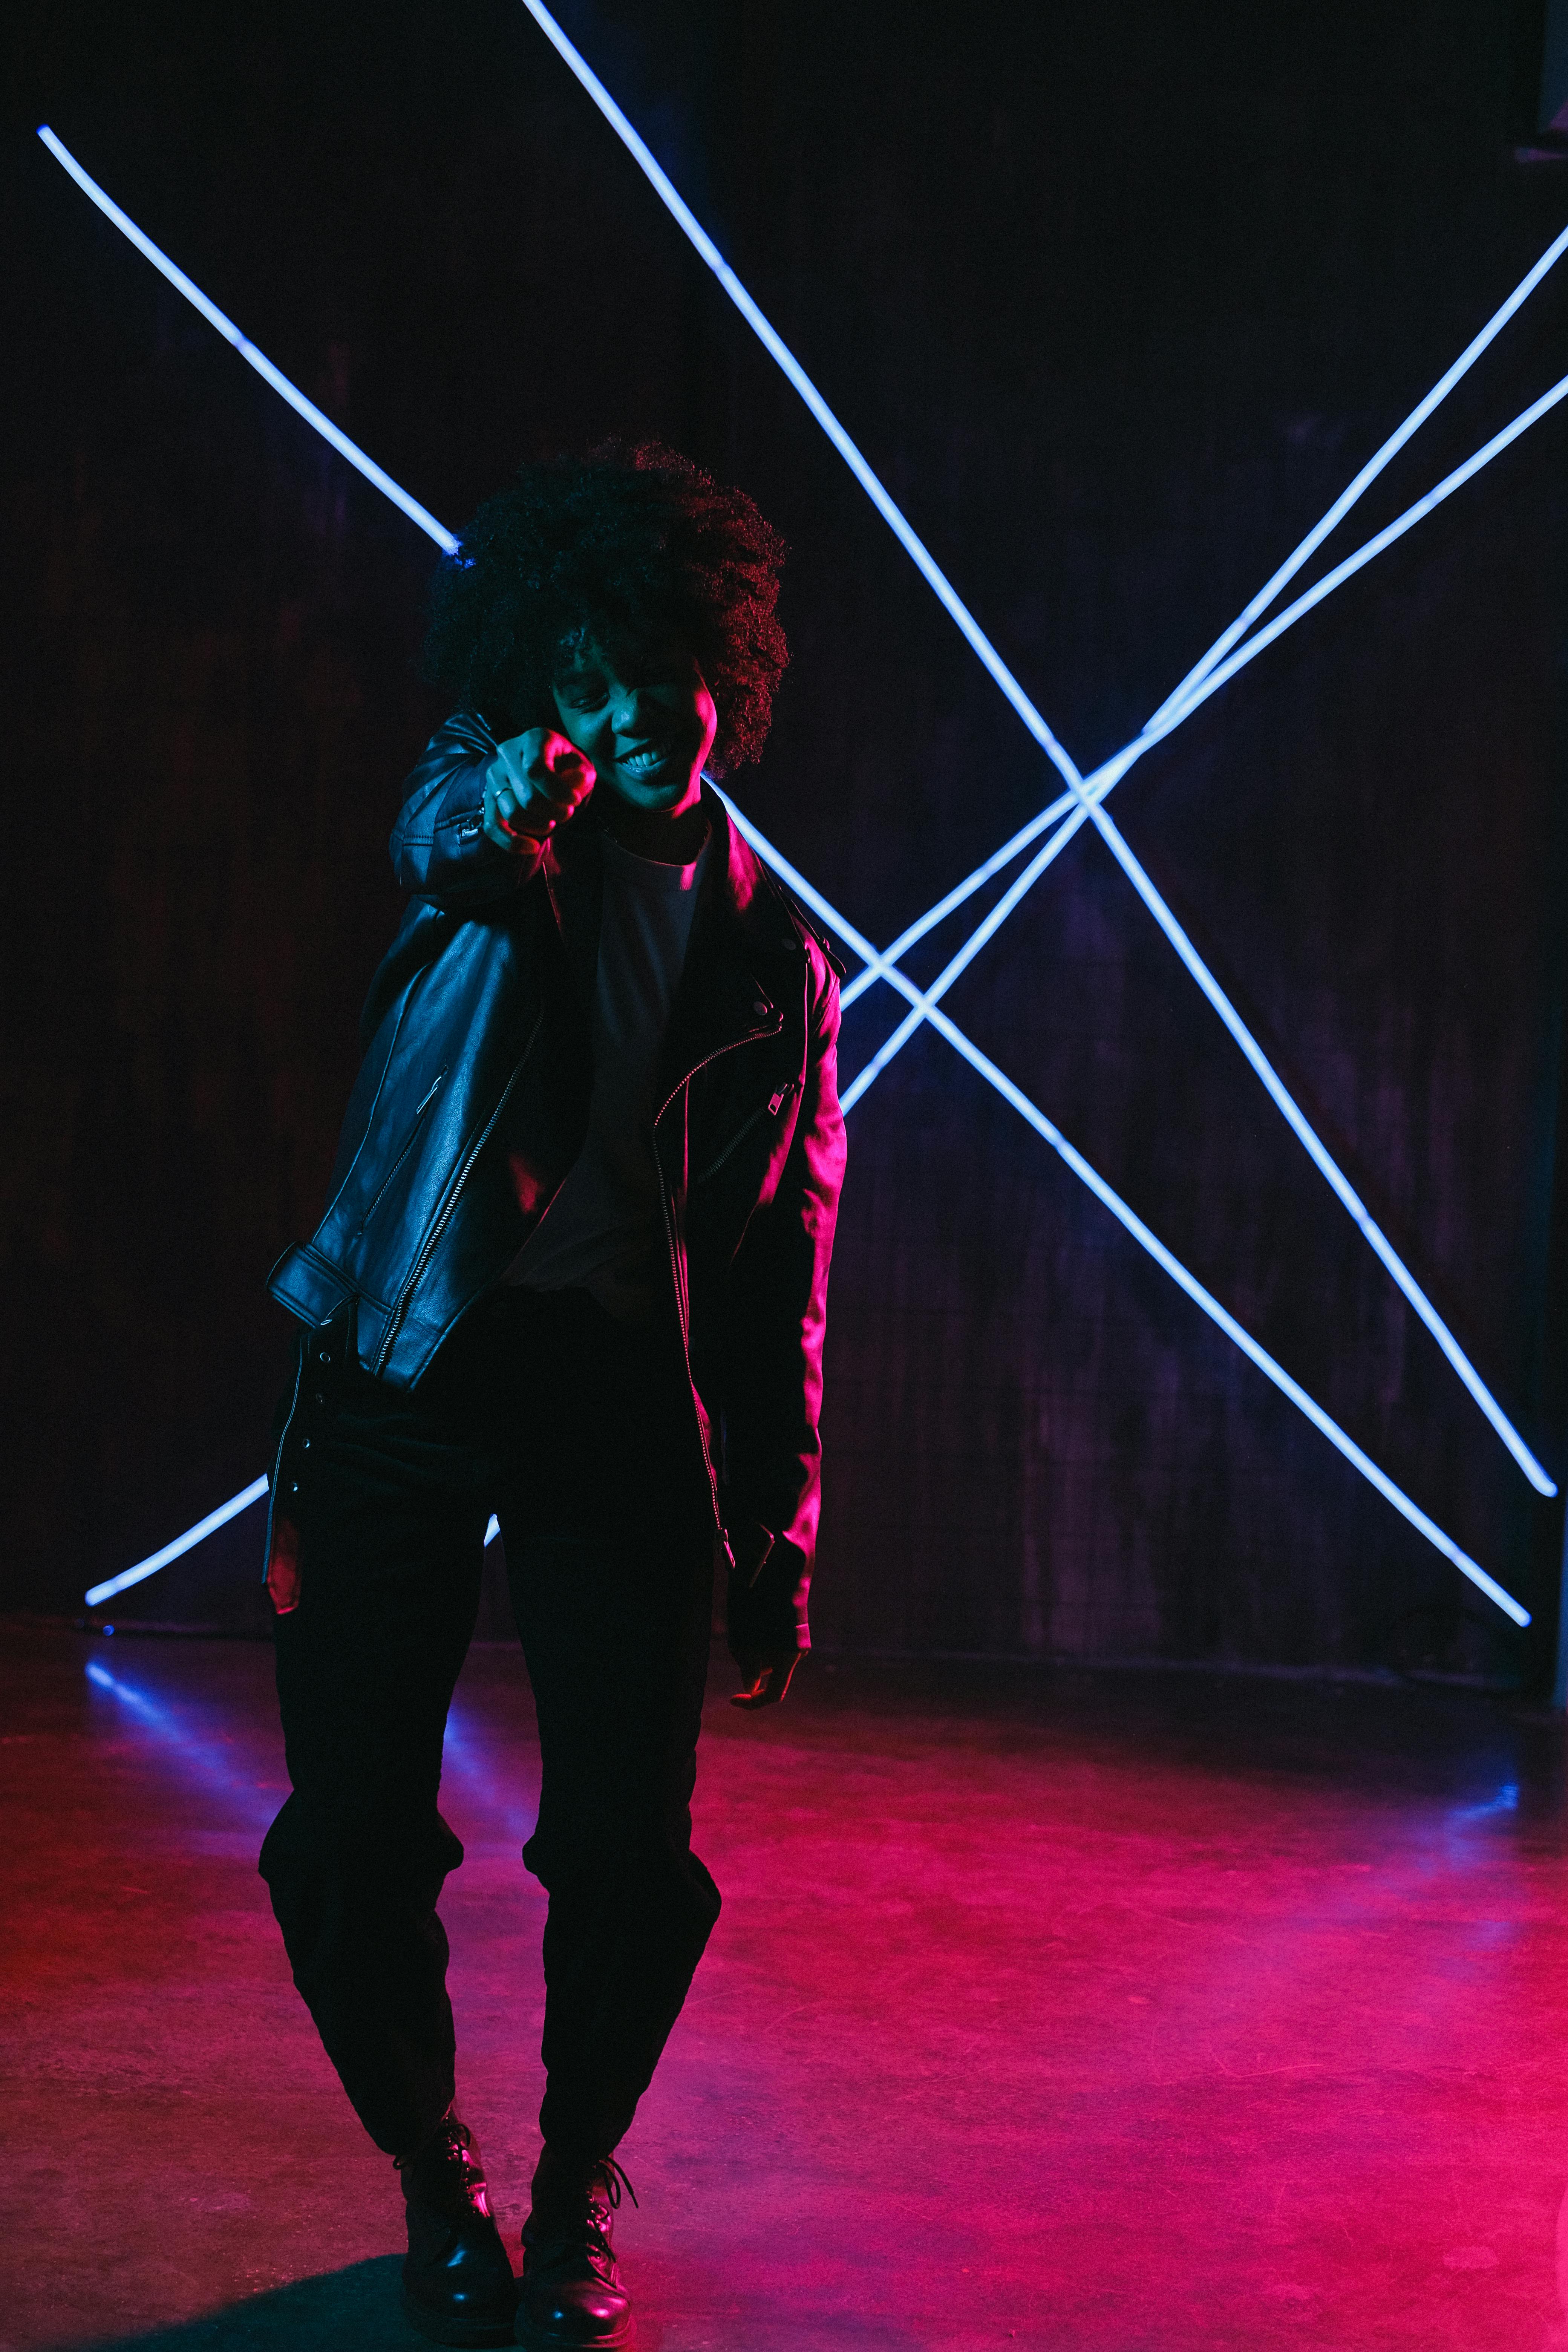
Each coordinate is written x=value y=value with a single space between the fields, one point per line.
x=333 y=1346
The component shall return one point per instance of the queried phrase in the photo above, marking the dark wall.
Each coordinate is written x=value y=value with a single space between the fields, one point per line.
x=1115 y=296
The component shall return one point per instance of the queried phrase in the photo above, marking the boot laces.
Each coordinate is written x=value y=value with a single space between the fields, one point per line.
x=586 y=2225
x=614 y=2181
x=451 y=2147
x=605 y=2188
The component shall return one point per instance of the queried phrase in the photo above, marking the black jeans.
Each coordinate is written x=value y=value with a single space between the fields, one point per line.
x=579 y=1433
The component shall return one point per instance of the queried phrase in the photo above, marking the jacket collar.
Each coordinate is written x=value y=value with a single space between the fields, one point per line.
x=743 y=954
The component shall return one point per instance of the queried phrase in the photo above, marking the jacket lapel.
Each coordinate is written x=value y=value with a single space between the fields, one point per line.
x=729 y=987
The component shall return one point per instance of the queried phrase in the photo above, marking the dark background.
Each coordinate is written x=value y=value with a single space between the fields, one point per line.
x=1116 y=295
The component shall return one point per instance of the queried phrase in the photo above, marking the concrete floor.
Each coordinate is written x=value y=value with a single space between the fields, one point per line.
x=1088 y=2012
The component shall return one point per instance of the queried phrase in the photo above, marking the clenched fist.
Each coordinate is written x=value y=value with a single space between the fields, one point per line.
x=535 y=781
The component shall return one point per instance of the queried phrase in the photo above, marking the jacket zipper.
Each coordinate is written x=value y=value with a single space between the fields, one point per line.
x=683 y=1304
x=369 y=1116
x=444 y=1213
x=403 y=1151
x=769 y=1110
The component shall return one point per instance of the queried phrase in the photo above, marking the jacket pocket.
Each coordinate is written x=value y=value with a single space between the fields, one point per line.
x=769 y=1109
x=403 y=1151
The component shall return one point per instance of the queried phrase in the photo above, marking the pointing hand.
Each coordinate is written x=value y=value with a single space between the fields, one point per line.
x=535 y=783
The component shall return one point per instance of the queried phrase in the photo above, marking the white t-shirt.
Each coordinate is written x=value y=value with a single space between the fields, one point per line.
x=599 y=1232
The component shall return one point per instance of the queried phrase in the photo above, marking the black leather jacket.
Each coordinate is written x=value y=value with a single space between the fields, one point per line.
x=473 y=1103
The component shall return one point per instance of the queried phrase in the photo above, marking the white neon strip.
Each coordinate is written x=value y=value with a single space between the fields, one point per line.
x=1103 y=780
x=248 y=350
x=193 y=1535
x=922 y=1000
x=1354 y=563
x=805 y=891
x=1263 y=1068
x=1094 y=789
x=930 y=1011
x=1227 y=1323
x=879 y=965
x=924 y=1004
x=1177 y=704
x=1260 y=602
x=1323 y=1158
x=1367 y=476
x=778 y=350
x=669 y=195
x=1195 y=688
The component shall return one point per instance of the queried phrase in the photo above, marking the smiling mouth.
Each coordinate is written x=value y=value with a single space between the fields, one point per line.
x=646 y=760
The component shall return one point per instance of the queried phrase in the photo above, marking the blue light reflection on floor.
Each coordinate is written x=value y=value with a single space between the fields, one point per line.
x=490 y=1776
x=487 y=1776
x=1505 y=1801
x=210 y=1761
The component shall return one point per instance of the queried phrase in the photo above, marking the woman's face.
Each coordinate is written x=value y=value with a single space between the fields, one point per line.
x=642 y=715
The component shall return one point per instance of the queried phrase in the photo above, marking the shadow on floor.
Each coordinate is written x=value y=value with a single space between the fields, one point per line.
x=354 y=2310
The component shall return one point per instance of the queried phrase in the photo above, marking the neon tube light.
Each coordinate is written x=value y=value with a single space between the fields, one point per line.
x=248 y=350
x=1081 y=1167
x=194 y=1536
x=879 y=965
x=1104 y=779
x=920 y=1000
x=1163 y=1257
x=778 y=350
x=1227 y=1323
x=1367 y=476
x=926 y=1008
x=1109 y=1199
x=1093 y=792
x=1195 y=688
x=1083 y=802
x=880 y=962
x=99 y=1594
x=1259 y=605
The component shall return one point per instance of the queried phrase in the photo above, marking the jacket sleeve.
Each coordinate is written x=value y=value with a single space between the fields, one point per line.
x=773 y=1388
x=440 y=850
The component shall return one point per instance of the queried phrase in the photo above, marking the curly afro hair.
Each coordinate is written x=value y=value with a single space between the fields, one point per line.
x=628 y=539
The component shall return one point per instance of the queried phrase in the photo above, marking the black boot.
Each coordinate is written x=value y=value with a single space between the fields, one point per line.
x=572 y=2299
x=457 y=2281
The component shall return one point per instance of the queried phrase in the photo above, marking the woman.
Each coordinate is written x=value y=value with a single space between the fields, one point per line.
x=573 y=1271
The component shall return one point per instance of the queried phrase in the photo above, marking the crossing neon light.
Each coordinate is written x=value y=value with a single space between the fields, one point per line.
x=1368 y=473
x=1166 y=1259
x=1089 y=797
x=924 y=1004
x=773 y=344
x=1195 y=688
x=247 y=352
x=1103 y=780
x=99 y=1593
